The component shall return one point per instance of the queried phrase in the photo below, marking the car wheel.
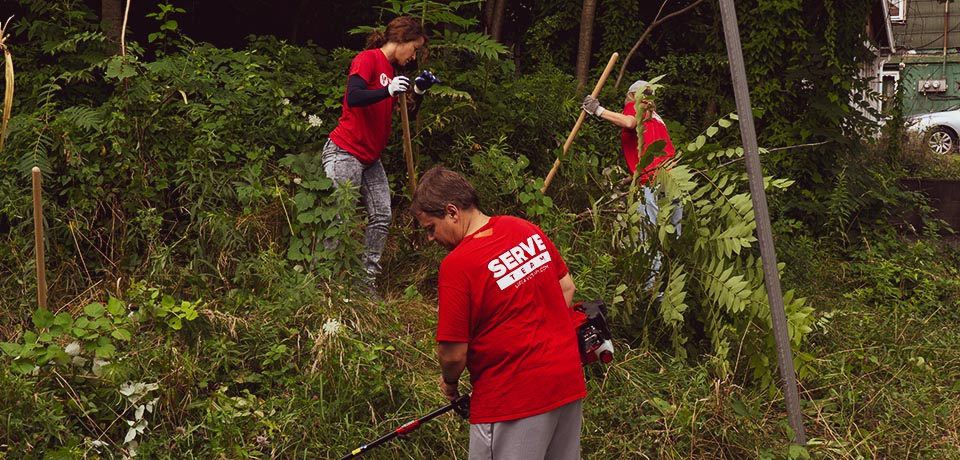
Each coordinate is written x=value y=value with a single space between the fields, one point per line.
x=942 y=141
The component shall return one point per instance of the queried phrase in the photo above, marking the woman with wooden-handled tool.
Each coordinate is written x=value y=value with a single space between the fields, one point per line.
x=352 y=154
x=655 y=142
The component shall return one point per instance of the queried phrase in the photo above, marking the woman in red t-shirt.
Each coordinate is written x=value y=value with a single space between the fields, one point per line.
x=653 y=132
x=352 y=154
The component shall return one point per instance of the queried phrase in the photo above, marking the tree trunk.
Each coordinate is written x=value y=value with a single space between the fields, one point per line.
x=496 y=26
x=111 y=20
x=303 y=14
x=488 y=7
x=587 y=14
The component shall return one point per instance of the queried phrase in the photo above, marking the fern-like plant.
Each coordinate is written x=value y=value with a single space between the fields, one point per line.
x=714 y=301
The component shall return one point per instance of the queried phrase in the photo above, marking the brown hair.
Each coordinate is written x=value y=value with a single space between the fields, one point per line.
x=401 y=29
x=439 y=187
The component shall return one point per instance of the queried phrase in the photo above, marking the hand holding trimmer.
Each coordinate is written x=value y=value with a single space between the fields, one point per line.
x=593 y=334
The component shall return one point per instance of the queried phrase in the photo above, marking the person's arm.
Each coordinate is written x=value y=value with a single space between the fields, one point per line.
x=566 y=283
x=358 y=95
x=453 y=360
x=592 y=106
x=619 y=119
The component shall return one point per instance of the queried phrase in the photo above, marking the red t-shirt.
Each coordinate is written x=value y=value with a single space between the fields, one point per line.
x=653 y=130
x=499 y=293
x=364 y=131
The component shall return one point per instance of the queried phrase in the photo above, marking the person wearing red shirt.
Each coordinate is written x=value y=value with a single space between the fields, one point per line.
x=352 y=154
x=655 y=137
x=653 y=129
x=504 y=298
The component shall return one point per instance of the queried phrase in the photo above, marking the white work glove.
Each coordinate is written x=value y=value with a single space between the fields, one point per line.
x=592 y=106
x=398 y=85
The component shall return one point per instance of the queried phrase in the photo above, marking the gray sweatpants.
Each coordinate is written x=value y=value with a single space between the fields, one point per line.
x=340 y=166
x=553 y=435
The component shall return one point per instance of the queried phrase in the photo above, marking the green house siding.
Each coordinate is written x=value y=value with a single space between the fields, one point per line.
x=922 y=55
x=915 y=71
x=923 y=26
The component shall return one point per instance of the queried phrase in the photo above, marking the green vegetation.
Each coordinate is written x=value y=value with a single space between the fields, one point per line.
x=193 y=314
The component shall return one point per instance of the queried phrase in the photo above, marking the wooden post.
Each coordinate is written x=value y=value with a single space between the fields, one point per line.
x=407 y=145
x=576 y=127
x=38 y=239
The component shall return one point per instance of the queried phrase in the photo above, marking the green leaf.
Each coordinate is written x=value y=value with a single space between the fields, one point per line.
x=94 y=310
x=42 y=318
x=115 y=307
x=121 y=334
x=11 y=349
x=63 y=319
x=81 y=324
x=23 y=366
x=167 y=302
x=105 y=350
x=121 y=68
x=740 y=408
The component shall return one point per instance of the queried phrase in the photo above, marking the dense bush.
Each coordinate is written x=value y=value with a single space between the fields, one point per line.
x=195 y=313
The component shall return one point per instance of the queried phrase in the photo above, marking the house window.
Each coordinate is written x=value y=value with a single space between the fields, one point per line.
x=898 y=9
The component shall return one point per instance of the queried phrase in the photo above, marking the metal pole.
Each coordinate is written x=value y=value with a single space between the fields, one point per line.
x=38 y=239
x=768 y=255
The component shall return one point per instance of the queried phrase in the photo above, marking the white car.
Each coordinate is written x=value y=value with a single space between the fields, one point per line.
x=939 y=129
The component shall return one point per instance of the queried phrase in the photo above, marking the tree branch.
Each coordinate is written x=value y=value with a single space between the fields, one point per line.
x=656 y=22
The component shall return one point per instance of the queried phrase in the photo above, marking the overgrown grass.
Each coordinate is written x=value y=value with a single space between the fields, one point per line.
x=314 y=371
x=227 y=344
x=918 y=161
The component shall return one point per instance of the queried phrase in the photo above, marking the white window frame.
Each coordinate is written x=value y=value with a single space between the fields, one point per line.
x=901 y=10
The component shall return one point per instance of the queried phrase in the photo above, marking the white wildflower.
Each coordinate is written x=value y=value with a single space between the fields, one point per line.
x=331 y=327
x=78 y=361
x=285 y=101
x=297 y=180
x=136 y=390
x=136 y=428
x=132 y=447
x=73 y=349
x=314 y=120
x=298 y=268
x=98 y=366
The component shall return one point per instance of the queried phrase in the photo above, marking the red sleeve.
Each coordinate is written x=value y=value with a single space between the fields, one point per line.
x=363 y=66
x=453 y=323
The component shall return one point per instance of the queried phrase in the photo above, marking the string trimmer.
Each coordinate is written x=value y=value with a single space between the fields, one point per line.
x=460 y=405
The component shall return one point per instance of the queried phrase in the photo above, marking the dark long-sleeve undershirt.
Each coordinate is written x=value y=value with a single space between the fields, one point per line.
x=358 y=95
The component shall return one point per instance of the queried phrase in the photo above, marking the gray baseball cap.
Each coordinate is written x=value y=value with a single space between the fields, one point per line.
x=638 y=86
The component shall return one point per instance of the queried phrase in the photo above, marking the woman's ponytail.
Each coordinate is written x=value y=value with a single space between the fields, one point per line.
x=401 y=29
x=376 y=39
